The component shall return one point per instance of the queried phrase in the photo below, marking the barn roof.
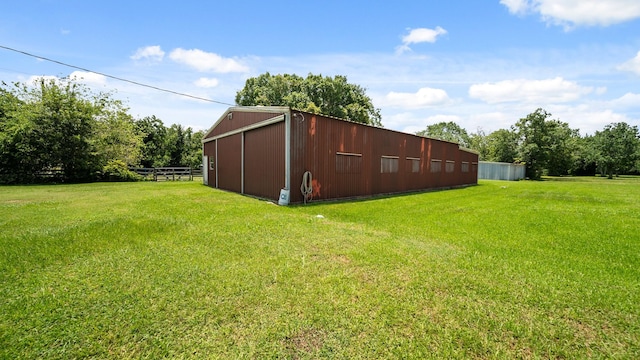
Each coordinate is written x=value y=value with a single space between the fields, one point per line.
x=287 y=109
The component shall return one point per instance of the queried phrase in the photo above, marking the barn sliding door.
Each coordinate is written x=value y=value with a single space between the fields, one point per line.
x=264 y=161
x=229 y=167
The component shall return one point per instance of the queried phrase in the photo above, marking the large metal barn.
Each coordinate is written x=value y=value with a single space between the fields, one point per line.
x=292 y=156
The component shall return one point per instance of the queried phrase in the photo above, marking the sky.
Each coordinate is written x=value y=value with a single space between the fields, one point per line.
x=481 y=64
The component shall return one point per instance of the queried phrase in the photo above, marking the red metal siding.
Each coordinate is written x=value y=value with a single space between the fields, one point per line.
x=332 y=150
x=264 y=161
x=240 y=119
x=210 y=151
x=229 y=163
x=346 y=159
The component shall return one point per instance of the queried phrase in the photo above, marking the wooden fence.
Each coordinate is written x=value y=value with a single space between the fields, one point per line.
x=167 y=173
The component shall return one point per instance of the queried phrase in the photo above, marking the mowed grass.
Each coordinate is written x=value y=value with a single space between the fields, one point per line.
x=546 y=269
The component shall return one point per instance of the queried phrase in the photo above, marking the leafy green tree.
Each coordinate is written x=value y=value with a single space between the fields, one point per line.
x=154 y=138
x=193 y=149
x=59 y=126
x=66 y=115
x=618 y=146
x=118 y=170
x=175 y=145
x=502 y=146
x=586 y=156
x=562 y=148
x=15 y=139
x=172 y=146
x=448 y=131
x=332 y=96
x=532 y=142
x=479 y=141
x=116 y=136
x=545 y=145
x=51 y=130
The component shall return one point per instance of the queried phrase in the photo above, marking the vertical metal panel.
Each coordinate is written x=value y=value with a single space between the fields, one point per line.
x=386 y=145
x=300 y=128
x=318 y=141
x=210 y=151
x=229 y=170
x=500 y=171
x=414 y=156
x=264 y=162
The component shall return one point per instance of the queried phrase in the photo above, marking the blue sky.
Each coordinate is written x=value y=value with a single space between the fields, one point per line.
x=482 y=64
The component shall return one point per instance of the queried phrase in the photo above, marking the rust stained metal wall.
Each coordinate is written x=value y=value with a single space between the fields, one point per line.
x=264 y=161
x=346 y=159
x=351 y=160
x=333 y=151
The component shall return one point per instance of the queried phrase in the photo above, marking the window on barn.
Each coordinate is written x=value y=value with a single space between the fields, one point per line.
x=465 y=167
x=413 y=165
x=436 y=165
x=474 y=167
x=450 y=166
x=348 y=163
x=211 y=163
x=388 y=164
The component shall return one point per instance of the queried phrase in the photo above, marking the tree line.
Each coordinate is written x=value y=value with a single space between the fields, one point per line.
x=60 y=127
x=547 y=146
x=550 y=147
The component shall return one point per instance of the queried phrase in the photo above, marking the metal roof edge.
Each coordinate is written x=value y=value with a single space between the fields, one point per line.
x=500 y=162
x=468 y=150
x=284 y=109
x=266 y=109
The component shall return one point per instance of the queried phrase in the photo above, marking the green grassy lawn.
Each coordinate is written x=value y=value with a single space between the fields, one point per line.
x=546 y=269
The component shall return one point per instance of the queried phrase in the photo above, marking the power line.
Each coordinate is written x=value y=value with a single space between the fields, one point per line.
x=115 y=77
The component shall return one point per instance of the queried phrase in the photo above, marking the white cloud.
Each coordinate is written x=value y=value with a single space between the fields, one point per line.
x=571 y=13
x=204 y=61
x=518 y=7
x=588 y=119
x=442 y=118
x=632 y=65
x=404 y=121
x=628 y=100
x=424 y=97
x=206 y=82
x=495 y=120
x=88 y=78
x=154 y=53
x=420 y=35
x=556 y=90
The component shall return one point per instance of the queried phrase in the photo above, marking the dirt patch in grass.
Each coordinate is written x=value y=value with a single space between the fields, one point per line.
x=343 y=259
x=304 y=342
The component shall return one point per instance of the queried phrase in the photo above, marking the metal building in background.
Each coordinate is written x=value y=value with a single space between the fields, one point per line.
x=501 y=171
x=291 y=156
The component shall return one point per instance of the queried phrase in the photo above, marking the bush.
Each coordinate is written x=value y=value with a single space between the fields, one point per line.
x=117 y=170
